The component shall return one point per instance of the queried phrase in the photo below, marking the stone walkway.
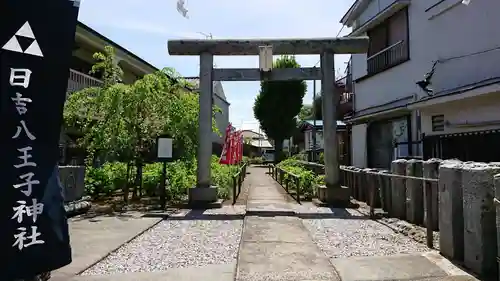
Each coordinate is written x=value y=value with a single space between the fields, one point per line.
x=271 y=238
x=275 y=244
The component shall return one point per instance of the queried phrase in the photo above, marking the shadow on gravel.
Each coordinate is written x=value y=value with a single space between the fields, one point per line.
x=94 y=217
x=336 y=213
x=196 y=214
x=310 y=216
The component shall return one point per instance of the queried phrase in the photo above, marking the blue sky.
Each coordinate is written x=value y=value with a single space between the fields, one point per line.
x=144 y=26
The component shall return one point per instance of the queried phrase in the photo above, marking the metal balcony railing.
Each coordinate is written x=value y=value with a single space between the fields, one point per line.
x=78 y=81
x=388 y=57
x=345 y=83
x=346 y=97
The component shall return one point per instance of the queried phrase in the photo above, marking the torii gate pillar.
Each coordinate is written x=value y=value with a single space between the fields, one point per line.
x=204 y=193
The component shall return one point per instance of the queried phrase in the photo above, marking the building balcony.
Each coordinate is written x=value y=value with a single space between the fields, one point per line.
x=344 y=85
x=388 y=57
x=78 y=81
x=346 y=98
x=366 y=14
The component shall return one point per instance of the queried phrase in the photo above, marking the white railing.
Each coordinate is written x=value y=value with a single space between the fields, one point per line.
x=78 y=81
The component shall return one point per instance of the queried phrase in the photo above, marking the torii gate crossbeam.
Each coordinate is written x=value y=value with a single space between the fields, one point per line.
x=332 y=192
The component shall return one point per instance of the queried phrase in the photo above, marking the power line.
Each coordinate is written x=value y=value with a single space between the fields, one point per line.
x=469 y=54
x=342 y=28
x=338 y=33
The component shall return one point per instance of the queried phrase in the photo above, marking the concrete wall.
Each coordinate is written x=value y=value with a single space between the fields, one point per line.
x=467 y=28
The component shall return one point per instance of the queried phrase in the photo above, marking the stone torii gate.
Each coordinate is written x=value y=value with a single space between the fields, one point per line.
x=204 y=193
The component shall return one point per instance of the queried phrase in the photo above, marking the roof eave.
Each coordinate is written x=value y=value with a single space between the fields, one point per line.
x=346 y=18
x=350 y=15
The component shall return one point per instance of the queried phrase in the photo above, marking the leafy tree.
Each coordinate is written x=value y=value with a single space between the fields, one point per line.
x=107 y=65
x=318 y=109
x=122 y=122
x=305 y=112
x=277 y=105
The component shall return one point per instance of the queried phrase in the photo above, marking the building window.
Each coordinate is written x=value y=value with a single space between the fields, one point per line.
x=388 y=43
x=437 y=123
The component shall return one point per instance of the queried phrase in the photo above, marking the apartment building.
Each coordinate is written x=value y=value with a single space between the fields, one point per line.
x=221 y=119
x=428 y=86
x=306 y=127
x=88 y=42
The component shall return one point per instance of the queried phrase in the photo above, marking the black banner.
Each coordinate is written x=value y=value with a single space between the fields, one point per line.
x=36 y=42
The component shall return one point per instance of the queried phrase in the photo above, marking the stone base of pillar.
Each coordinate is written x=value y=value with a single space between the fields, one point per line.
x=203 y=198
x=339 y=196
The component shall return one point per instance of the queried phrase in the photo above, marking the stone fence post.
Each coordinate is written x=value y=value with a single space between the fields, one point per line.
x=365 y=188
x=385 y=190
x=73 y=182
x=480 y=248
x=358 y=182
x=431 y=171
x=398 y=189
x=414 y=192
x=497 y=207
x=451 y=221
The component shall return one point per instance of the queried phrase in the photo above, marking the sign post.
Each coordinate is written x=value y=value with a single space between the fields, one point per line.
x=36 y=41
x=163 y=154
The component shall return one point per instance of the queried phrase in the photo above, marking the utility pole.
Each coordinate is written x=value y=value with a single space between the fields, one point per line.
x=314 y=121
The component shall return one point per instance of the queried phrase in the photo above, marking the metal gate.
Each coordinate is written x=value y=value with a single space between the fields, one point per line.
x=481 y=146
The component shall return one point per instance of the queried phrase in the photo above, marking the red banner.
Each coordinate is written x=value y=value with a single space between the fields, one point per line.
x=232 y=151
x=225 y=157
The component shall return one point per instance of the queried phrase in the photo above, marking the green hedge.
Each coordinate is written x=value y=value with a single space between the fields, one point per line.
x=112 y=177
x=307 y=179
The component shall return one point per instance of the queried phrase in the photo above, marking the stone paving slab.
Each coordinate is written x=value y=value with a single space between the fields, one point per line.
x=92 y=239
x=397 y=267
x=268 y=206
x=263 y=229
x=447 y=278
x=267 y=261
x=386 y=268
x=216 y=272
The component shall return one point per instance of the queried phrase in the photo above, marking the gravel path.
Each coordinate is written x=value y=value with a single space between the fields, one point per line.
x=174 y=244
x=349 y=233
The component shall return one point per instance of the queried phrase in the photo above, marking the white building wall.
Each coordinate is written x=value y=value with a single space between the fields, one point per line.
x=457 y=30
x=399 y=81
x=482 y=113
x=358 y=145
x=221 y=119
x=373 y=8
x=447 y=30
